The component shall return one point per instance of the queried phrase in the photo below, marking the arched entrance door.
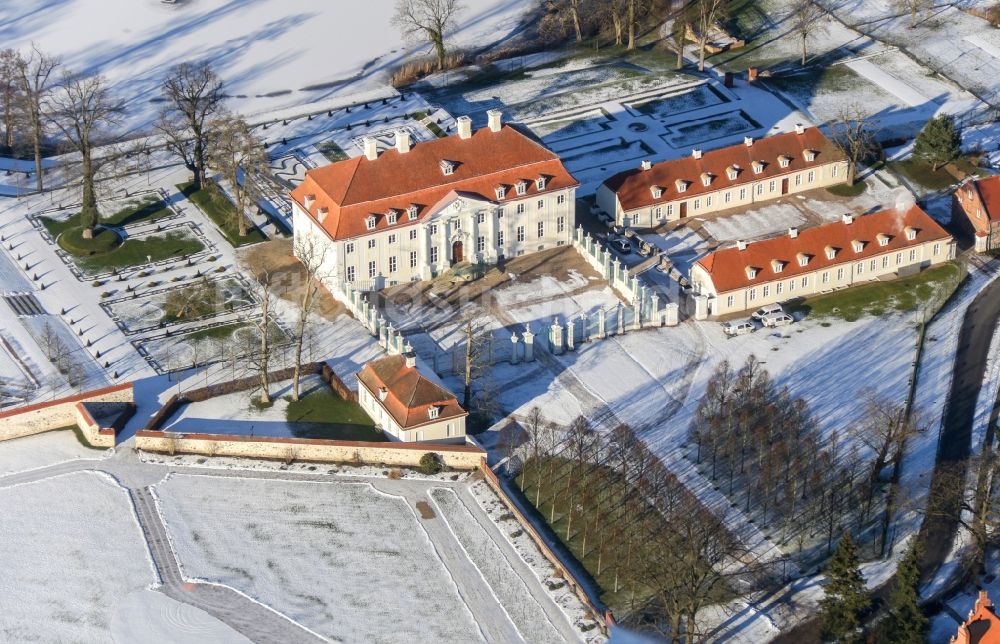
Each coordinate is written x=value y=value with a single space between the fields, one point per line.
x=456 y=253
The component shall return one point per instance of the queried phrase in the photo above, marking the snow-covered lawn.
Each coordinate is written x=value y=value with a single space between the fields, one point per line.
x=41 y=450
x=342 y=559
x=271 y=53
x=507 y=585
x=72 y=548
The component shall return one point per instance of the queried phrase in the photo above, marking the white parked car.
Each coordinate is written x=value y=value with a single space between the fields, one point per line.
x=766 y=310
x=776 y=319
x=738 y=327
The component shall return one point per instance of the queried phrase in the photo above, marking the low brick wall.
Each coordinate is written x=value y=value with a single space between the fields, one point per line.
x=460 y=457
x=603 y=616
x=67 y=412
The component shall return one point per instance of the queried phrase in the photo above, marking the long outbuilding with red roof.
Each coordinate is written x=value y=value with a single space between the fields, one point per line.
x=412 y=211
x=707 y=182
x=976 y=206
x=878 y=246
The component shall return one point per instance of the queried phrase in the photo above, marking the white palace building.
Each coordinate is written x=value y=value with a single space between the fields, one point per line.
x=412 y=212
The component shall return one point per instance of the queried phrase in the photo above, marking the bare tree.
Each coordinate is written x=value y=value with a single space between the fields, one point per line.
x=616 y=11
x=312 y=253
x=807 y=20
x=261 y=358
x=194 y=96
x=632 y=16
x=707 y=14
x=679 y=32
x=83 y=110
x=476 y=354
x=36 y=76
x=913 y=7
x=851 y=130
x=238 y=153
x=431 y=19
x=10 y=93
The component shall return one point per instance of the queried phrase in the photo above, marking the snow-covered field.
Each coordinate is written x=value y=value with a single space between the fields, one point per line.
x=72 y=549
x=41 y=450
x=271 y=53
x=342 y=559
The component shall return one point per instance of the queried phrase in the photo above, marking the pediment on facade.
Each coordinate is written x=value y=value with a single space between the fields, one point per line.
x=456 y=202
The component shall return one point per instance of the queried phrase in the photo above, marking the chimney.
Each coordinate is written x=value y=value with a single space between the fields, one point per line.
x=464 y=127
x=800 y=129
x=646 y=164
x=696 y=153
x=748 y=141
x=411 y=360
x=308 y=201
x=793 y=232
x=494 y=118
x=371 y=148
x=848 y=219
x=402 y=141
x=741 y=245
x=322 y=213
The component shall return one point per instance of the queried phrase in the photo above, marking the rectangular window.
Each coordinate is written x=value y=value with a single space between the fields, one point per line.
x=753 y=294
x=730 y=301
x=708 y=201
x=805 y=282
x=499 y=213
x=770 y=186
x=885 y=261
x=913 y=254
x=392 y=239
x=872 y=266
x=561 y=199
x=658 y=211
x=480 y=244
x=812 y=176
x=541 y=229
x=860 y=268
x=840 y=274
x=791 y=285
x=392 y=264
x=520 y=209
x=372 y=272
x=767 y=290
x=899 y=258
x=541 y=204
x=520 y=233
x=778 y=288
x=481 y=217
x=413 y=234
x=350 y=273
x=727 y=197
x=833 y=171
x=937 y=248
x=743 y=194
x=434 y=229
x=697 y=204
x=826 y=277
x=798 y=179
x=670 y=210
x=561 y=226
x=434 y=255
x=413 y=259
x=371 y=244
x=760 y=188
x=349 y=247
x=500 y=238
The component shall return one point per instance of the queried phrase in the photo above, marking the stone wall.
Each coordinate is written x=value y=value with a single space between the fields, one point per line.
x=462 y=457
x=66 y=412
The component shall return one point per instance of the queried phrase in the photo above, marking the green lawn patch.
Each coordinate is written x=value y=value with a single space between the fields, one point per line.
x=137 y=251
x=222 y=332
x=877 y=298
x=922 y=173
x=222 y=213
x=148 y=209
x=321 y=413
x=332 y=151
x=104 y=241
x=844 y=190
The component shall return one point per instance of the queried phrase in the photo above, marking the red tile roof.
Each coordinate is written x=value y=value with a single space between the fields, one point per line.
x=982 y=626
x=728 y=267
x=409 y=395
x=634 y=187
x=356 y=188
x=989 y=191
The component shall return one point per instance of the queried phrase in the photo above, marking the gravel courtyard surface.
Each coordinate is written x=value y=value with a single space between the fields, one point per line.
x=337 y=558
x=71 y=543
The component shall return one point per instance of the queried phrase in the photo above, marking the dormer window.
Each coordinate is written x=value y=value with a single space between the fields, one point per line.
x=732 y=172
x=682 y=185
x=784 y=160
x=501 y=192
x=751 y=272
x=810 y=155
x=911 y=233
x=433 y=411
x=802 y=258
x=830 y=251
x=758 y=167
x=706 y=178
x=657 y=191
x=858 y=246
x=370 y=222
x=382 y=393
x=777 y=265
x=521 y=187
x=447 y=167
x=412 y=211
x=883 y=239
x=540 y=183
x=392 y=216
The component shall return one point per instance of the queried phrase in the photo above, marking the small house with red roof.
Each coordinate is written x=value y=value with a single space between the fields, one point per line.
x=982 y=626
x=413 y=211
x=879 y=246
x=976 y=207
x=407 y=405
x=739 y=175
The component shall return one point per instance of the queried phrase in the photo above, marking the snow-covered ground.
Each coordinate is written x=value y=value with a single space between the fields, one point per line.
x=72 y=549
x=41 y=450
x=337 y=558
x=271 y=53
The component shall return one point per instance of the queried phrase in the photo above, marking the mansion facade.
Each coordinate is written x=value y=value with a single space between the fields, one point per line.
x=709 y=182
x=412 y=212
